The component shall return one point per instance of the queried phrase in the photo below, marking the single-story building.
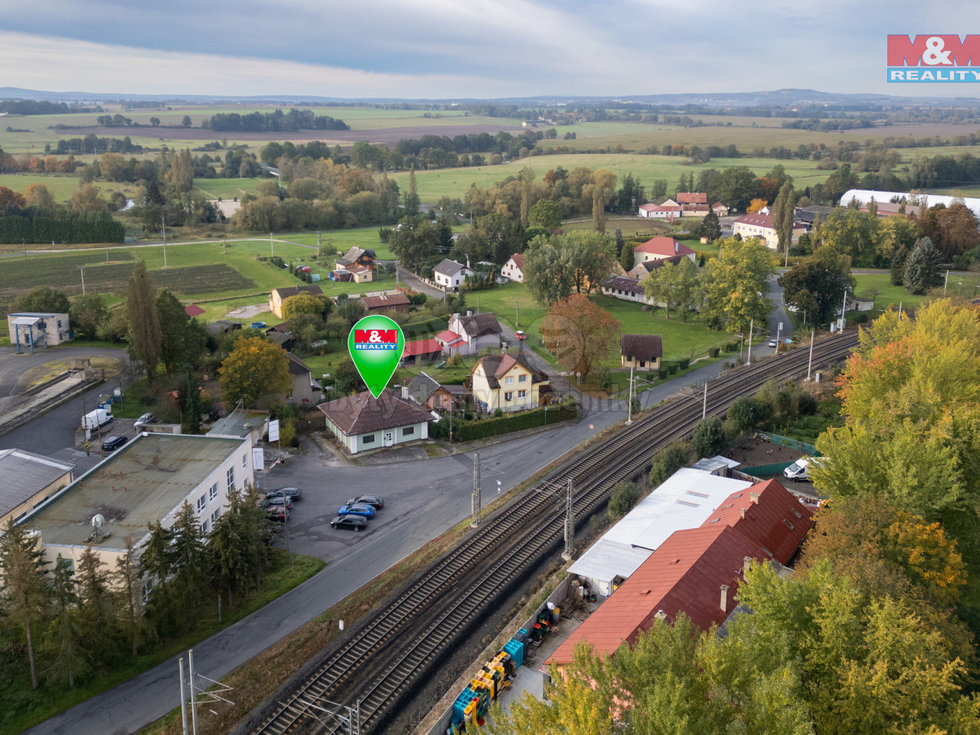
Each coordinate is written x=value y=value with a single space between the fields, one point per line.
x=29 y=480
x=242 y=424
x=387 y=302
x=625 y=289
x=421 y=351
x=641 y=351
x=305 y=390
x=660 y=247
x=362 y=422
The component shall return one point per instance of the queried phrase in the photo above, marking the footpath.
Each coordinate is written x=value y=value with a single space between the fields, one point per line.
x=144 y=699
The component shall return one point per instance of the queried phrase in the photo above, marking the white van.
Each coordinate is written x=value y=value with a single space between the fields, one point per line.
x=798 y=470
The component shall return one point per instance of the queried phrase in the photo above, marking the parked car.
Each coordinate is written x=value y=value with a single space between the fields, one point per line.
x=112 y=443
x=278 y=500
x=800 y=469
x=277 y=513
x=773 y=342
x=374 y=500
x=355 y=523
x=356 y=509
x=293 y=493
x=146 y=418
x=520 y=335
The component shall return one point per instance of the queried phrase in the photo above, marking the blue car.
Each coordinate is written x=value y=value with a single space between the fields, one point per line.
x=357 y=509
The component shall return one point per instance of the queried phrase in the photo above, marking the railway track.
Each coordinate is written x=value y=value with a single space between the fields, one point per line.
x=379 y=664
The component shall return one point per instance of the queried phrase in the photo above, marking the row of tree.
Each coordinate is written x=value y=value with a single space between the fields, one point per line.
x=276 y=122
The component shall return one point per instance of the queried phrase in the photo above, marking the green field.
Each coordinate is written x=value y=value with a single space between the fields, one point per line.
x=62 y=186
x=961 y=284
x=226 y=188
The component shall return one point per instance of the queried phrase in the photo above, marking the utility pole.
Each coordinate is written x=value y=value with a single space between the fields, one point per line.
x=272 y=247
x=517 y=314
x=569 y=524
x=183 y=697
x=809 y=362
x=946 y=282
x=751 y=324
x=163 y=222
x=190 y=672
x=629 y=408
x=704 y=402
x=843 y=311
x=476 y=490
x=81 y=269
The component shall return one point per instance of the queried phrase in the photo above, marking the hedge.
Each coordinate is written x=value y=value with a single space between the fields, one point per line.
x=433 y=325
x=470 y=430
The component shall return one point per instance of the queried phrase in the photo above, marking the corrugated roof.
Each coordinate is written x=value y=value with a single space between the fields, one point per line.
x=684 y=500
x=421 y=347
x=684 y=575
x=138 y=484
x=448 y=267
x=26 y=474
x=768 y=514
x=385 y=301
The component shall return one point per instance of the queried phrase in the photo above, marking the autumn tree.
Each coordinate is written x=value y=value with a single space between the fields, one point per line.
x=952 y=229
x=735 y=283
x=580 y=333
x=39 y=197
x=255 y=368
x=144 y=319
x=306 y=303
x=757 y=205
x=180 y=176
x=911 y=398
x=86 y=199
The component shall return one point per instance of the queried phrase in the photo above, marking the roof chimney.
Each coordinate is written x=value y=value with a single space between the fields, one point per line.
x=746 y=563
x=755 y=497
x=742 y=512
x=724 y=598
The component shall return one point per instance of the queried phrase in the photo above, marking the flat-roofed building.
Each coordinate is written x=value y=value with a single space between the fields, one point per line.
x=28 y=480
x=144 y=482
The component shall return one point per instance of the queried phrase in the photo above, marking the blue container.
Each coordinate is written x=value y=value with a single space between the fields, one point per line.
x=460 y=705
x=516 y=650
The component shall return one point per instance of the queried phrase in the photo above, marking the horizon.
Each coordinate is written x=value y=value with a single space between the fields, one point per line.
x=435 y=50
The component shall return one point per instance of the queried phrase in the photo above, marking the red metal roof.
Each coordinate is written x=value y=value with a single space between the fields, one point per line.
x=663 y=245
x=769 y=515
x=691 y=197
x=421 y=347
x=758 y=220
x=193 y=310
x=449 y=337
x=684 y=575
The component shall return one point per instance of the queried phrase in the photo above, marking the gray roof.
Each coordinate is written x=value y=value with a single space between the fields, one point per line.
x=480 y=325
x=239 y=423
x=363 y=413
x=421 y=387
x=448 y=267
x=138 y=484
x=26 y=474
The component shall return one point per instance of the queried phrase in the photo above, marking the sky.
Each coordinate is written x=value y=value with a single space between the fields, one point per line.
x=445 y=49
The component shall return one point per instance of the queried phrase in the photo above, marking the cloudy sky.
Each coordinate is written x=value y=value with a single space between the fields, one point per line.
x=465 y=48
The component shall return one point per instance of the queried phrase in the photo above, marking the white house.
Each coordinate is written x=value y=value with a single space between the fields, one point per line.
x=469 y=334
x=513 y=269
x=760 y=225
x=362 y=422
x=660 y=247
x=450 y=275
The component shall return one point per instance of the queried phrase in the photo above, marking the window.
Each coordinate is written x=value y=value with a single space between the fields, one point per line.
x=216 y=515
x=213 y=491
x=509 y=395
x=509 y=380
x=231 y=479
x=522 y=378
x=368 y=439
x=521 y=393
x=204 y=527
x=408 y=431
x=201 y=501
x=244 y=461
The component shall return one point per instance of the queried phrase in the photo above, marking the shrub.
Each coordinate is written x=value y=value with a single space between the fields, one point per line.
x=672 y=367
x=662 y=372
x=714 y=351
x=708 y=437
x=669 y=461
x=743 y=414
x=685 y=362
x=623 y=498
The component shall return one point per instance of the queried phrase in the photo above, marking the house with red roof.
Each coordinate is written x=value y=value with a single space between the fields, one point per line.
x=513 y=269
x=469 y=334
x=421 y=350
x=660 y=247
x=668 y=209
x=691 y=197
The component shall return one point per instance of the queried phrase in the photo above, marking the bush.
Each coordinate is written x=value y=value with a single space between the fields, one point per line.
x=662 y=372
x=708 y=437
x=731 y=347
x=623 y=498
x=714 y=351
x=743 y=414
x=672 y=367
x=684 y=362
x=669 y=461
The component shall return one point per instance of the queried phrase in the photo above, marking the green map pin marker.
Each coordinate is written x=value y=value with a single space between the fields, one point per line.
x=376 y=344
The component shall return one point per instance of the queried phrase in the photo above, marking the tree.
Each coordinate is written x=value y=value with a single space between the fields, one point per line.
x=784 y=216
x=306 y=303
x=547 y=273
x=858 y=234
x=710 y=226
x=757 y=205
x=255 y=368
x=97 y=614
x=674 y=286
x=527 y=179
x=350 y=311
x=734 y=284
x=896 y=272
x=189 y=401
x=144 y=320
x=237 y=552
x=708 y=437
x=180 y=176
x=155 y=122
x=815 y=286
x=603 y=188
x=622 y=499
x=911 y=398
x=86 y=199
x=922 y=268
x=580 y=333
x=88 y=314
x=590 y=257
x=64 y=638
x=182 y=340
x=186 y=121
x=133 y=624
x=39 y=197
x=43 y=299
x=412 y=195
x=24 y=595
x=626 y=257
x=952 y=229
x=545 y=213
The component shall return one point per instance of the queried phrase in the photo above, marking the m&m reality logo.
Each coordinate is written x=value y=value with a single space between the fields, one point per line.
x=375 y=339
x=935 y=59
x=376 y=344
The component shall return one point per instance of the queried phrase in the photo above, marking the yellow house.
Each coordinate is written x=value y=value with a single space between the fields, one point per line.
x=641 y=351
x=278 y=295
x=507 y=382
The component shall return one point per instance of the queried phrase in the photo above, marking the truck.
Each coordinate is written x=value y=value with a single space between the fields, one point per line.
x=94 y=419
x=799 y=469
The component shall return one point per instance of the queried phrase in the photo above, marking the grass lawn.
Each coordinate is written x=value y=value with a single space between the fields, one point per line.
x=22 y=708
x=962 y=284
x=342 y=240
x=226 y=188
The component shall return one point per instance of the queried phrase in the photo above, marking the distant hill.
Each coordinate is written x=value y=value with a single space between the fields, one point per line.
x=778 y=97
